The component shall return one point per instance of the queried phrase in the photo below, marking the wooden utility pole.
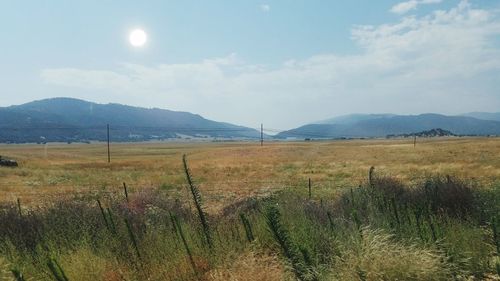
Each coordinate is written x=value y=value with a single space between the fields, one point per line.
x=109 y=155
x=261 y=134
x=415 y=141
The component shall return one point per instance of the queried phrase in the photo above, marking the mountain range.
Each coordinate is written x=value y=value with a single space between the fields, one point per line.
x=381 y=125
x=70 y=120
x=74 y=120
x=484 y=115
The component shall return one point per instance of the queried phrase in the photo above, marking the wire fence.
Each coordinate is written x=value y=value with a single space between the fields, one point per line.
x=220 y=187
x=210 y=186
x=291 y=182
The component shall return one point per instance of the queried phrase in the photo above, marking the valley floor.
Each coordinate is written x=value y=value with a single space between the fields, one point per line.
x=429 y=212
x=227 y=172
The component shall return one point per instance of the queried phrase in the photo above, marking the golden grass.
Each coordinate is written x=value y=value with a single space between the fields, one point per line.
x=377 y=257
x=227 y=172
x=82 y=264
x=251 y=267
x=5 y=273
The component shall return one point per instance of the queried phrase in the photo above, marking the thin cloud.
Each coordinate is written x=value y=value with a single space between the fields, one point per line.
x=405 y=7
x=265 y=8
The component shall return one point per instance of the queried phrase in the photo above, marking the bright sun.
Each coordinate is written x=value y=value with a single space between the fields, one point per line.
x=138 y=37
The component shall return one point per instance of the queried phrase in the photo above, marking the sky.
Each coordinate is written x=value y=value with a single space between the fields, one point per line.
x=283 y=63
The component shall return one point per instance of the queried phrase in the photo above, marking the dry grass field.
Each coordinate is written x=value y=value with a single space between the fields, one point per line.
x=428 y=212
x=229 y=171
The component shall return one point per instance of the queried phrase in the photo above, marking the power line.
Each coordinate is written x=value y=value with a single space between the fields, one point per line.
x=261 y=134
x=115 y=128
x=109 y=155
x=131 y=129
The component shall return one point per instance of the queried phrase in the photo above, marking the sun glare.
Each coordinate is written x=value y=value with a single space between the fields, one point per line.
x=137 y=37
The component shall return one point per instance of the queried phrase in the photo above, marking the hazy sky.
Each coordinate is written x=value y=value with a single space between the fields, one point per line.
x=283 y=63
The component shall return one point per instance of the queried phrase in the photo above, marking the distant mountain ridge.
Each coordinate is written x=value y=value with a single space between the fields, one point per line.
x=381 y=125
x=74 y=120
x=67 y=119
x=493 y=116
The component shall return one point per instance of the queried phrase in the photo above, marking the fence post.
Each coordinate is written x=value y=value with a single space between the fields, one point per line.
x=310 y=188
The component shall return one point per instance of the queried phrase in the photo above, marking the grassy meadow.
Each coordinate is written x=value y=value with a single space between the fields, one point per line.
x=227 y=172
x=239 y=211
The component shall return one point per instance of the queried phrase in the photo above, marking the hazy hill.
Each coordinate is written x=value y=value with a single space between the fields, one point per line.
x=484 y=115
x=381 y=126
x=66 y=119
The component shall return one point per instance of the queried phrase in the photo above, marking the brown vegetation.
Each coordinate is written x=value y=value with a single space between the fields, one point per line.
x=227 y=172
